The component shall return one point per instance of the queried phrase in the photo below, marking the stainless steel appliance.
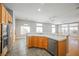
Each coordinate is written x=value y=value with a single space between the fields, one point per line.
x=3 y=38
x=10 y=41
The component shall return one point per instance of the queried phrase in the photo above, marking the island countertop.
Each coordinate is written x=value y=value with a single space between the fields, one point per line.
x=52 y=36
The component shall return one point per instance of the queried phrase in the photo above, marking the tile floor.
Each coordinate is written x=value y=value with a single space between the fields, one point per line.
x=20 y=49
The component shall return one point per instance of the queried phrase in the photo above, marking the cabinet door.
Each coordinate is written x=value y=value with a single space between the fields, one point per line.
x=0 y=13
x=34 y=41
x=40 y=42
x=10 y=18
x=6 y=20
x=45 y=42
x=62 y=48
x=3 y=14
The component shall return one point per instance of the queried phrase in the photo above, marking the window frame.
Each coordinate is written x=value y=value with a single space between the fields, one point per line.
x=54 y=28
x=24 y=31
x=38 y=27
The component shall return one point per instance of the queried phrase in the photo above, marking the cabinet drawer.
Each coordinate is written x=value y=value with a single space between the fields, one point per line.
x=44 y=43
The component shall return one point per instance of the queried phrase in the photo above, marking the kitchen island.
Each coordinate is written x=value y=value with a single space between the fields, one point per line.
x=55 y=44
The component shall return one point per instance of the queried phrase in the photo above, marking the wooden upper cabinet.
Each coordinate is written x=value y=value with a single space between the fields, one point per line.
x=10 y=19
x=0 y=14
x=5 y=17
x=3 y=14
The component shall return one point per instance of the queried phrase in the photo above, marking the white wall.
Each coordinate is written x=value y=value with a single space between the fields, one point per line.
x=46 y=27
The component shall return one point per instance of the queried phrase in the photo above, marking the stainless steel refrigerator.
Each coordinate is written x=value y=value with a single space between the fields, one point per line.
x=10 y=40
x=3 y=38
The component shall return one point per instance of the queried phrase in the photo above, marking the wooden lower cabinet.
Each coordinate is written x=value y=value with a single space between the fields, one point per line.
x=45 y=45
x=37 y=41
x=55 y=47
x=40 y=45
x=62 y=48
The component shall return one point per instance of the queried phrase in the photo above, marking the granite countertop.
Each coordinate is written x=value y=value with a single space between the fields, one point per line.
x=52 y=36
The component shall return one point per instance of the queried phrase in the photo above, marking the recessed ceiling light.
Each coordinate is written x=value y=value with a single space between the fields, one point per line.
x=39 y=9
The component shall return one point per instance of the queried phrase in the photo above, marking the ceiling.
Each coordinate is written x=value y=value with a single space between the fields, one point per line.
x=56 y=13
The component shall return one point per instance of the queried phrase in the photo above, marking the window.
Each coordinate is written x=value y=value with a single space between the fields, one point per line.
x=25 y=29
x=69 y=28
x=53 y=29
x=73 y=28
x=73 y=25
x=39 y=28
x=38 y=24
x=64 y=29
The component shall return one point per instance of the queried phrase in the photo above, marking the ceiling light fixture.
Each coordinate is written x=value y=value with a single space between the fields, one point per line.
x=39 y=9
